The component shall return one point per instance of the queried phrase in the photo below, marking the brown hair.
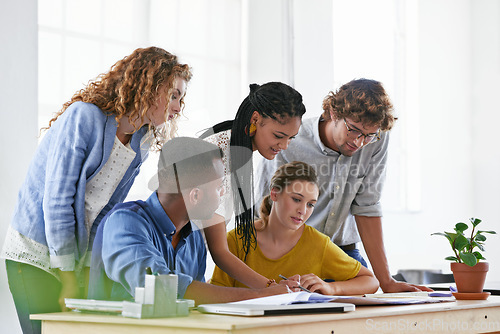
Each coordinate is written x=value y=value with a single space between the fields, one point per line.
x=132 y=86
x=361 y=100
x=283 y=177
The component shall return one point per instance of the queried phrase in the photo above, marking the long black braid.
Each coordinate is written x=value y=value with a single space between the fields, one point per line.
x=274 y=100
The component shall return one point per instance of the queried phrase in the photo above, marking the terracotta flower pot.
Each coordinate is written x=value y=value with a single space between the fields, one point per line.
x=470 y=279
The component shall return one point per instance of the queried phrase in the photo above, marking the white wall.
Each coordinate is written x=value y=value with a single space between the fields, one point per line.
x=455 y=51
x=313 y=53
x=18 y=110
x=458 y=78
x=484 y=119
x=264 y=36
x=444 y=86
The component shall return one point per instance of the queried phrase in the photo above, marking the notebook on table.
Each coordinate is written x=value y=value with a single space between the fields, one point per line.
x=266 y=309
x=285 y=304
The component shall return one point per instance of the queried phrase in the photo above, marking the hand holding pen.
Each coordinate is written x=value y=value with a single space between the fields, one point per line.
x=300 y=286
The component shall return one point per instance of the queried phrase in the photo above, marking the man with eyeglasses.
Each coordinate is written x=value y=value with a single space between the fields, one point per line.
x=347 y=145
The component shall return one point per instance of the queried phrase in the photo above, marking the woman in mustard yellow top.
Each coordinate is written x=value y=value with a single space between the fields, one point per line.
x=286 y=246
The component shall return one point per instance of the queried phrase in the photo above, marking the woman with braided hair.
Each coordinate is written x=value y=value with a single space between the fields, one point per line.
x=267 y=119
x=287 y=246
x=85 y=164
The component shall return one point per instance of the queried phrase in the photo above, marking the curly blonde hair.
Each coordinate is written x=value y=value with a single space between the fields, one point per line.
x=362 y=100
x=132 y=86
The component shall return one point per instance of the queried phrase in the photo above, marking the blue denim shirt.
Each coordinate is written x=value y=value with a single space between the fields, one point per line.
x=50 y=209
x=137 y=235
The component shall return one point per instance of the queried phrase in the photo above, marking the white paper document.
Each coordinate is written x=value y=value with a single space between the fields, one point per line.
x=289 y=298
x=305 y=297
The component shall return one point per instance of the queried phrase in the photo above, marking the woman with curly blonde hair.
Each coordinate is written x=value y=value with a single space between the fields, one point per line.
x=85 y=164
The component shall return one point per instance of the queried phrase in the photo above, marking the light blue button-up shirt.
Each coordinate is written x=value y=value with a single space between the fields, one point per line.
x=50 y=210
x=137 y=235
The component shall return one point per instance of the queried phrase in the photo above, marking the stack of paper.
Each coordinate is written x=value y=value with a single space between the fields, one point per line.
x=106 y=306
x=403 y=298
x=289 y=298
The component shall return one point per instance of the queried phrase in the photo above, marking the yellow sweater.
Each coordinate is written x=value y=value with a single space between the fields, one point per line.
x=314 y=253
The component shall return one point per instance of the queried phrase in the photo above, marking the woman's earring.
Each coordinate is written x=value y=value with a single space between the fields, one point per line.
x=250 y=130
x=253 y=128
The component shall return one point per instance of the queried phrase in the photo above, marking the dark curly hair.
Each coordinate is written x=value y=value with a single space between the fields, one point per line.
x=132 y=86
x=362 y=100
x=273 y=100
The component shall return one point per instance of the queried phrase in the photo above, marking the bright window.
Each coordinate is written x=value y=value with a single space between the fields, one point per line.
x=377 y=40
x=80 y=39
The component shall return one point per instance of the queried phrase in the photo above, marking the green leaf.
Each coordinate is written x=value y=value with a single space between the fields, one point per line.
x=478 y=256
x=475 y=221
x=460 y=242
x=480 y=246
x=490 y=232
x=468 y=258
x=480 y=237
x=450 y=236
x=464 y=245
x=441 y=233
x=460 y=227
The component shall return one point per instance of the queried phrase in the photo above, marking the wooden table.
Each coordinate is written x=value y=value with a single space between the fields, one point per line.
x=450 y=317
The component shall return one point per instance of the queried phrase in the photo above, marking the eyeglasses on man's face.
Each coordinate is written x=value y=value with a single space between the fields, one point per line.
x=356 y=134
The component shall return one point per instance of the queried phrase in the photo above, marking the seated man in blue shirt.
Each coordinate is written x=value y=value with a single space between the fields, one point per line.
x=158 y=233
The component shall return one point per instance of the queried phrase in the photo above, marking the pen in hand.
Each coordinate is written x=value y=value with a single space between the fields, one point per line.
x=300 y=286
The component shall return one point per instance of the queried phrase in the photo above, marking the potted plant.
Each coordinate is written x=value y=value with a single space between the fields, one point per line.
x=468 y=270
